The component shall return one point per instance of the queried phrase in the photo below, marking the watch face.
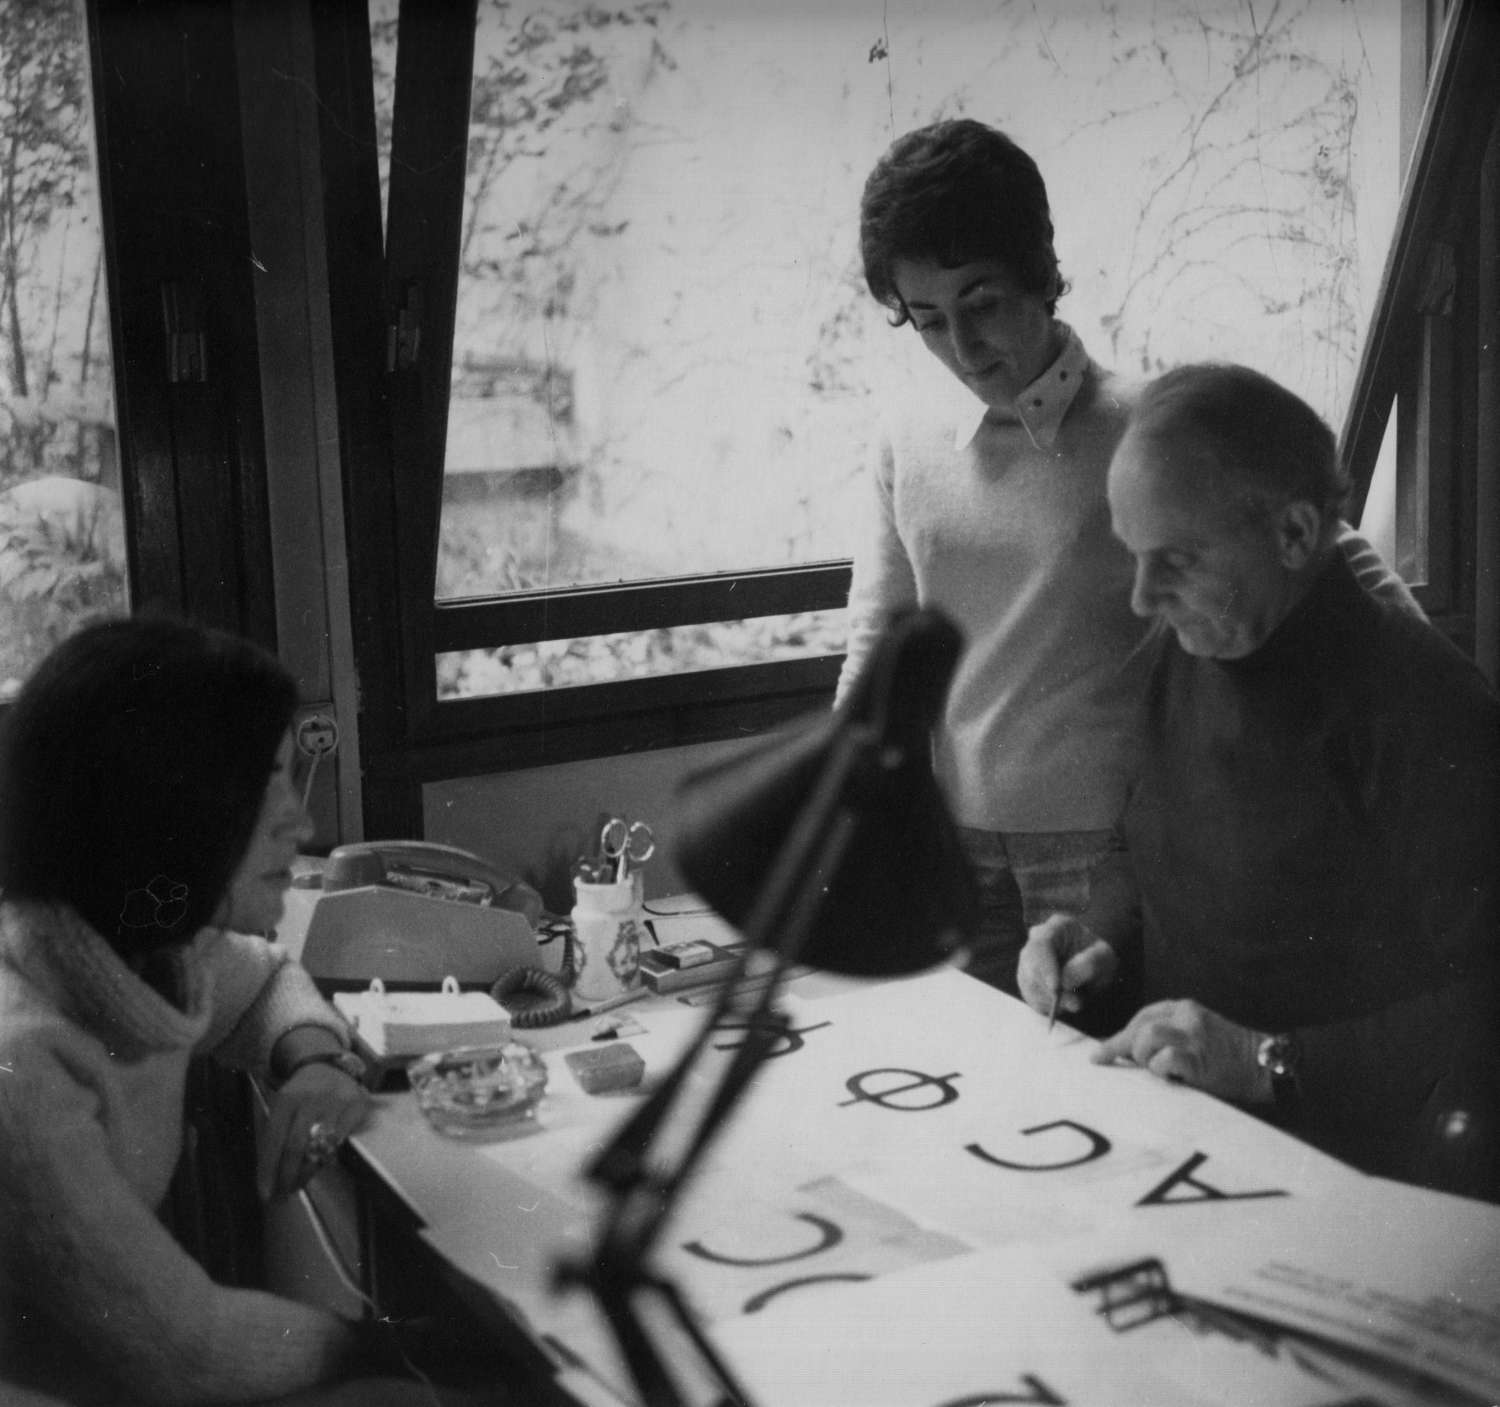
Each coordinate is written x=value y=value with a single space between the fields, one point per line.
x=1278 y=1054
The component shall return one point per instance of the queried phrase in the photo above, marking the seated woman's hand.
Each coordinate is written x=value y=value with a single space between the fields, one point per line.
x=1065 y=961
x=1185 y=1042
x=311 y=1115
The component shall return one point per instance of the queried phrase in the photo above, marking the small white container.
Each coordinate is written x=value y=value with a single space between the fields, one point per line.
x=608 y=928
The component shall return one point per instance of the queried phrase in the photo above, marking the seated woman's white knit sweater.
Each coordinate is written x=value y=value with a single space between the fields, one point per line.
x=98 y=1302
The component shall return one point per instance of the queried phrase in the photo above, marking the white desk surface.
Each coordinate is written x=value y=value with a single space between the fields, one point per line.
x=898 y=1208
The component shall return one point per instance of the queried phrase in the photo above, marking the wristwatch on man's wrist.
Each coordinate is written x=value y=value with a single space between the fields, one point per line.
x=1281 y=1057
x=345 y=1060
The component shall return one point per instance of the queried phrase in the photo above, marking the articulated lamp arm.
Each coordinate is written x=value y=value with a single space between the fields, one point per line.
x=833 y=848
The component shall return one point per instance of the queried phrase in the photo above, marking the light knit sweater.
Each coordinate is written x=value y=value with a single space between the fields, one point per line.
x=1004 y=527
x=93 y=1064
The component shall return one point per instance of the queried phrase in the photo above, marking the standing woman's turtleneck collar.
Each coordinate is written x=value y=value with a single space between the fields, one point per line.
x=83 y=976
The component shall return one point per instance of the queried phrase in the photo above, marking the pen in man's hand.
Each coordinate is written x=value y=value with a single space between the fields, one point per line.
x=1057 y=992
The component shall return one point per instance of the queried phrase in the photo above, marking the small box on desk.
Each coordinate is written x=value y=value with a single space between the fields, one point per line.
x=675 y=966
x=391 y=1029
x=601 y=1069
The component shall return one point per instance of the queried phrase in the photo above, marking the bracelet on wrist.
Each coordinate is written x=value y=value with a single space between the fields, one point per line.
x=344 y=1060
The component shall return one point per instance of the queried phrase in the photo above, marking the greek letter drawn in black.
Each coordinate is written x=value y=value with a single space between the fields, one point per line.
x=787 y=1041
x=944 y=1093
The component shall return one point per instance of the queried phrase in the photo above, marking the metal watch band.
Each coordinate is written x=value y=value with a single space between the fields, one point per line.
x=1280 y=1055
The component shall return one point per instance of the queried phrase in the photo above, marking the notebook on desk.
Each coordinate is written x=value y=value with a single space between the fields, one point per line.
x=395 y=1025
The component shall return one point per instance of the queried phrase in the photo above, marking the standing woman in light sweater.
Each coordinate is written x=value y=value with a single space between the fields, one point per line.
x=148 y=822
x=997 y=517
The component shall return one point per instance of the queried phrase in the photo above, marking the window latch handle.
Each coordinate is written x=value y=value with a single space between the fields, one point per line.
x=403 y=339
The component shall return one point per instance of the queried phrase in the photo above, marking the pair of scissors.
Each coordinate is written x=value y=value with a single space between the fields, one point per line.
x=626 y=844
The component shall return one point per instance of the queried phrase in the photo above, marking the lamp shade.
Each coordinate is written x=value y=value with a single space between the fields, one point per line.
x=899 y=895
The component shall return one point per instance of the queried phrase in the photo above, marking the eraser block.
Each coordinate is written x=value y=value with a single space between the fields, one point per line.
x=600 y=1069
x=691 y=954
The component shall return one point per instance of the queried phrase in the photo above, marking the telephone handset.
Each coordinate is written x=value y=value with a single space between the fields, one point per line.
x=412 y=912
x=428 y=868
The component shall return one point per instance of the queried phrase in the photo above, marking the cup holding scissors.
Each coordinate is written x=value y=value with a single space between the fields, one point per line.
x=608 y=921
x=626 y=844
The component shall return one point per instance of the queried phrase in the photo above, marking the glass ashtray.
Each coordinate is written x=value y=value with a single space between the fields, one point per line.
x=479 y=1091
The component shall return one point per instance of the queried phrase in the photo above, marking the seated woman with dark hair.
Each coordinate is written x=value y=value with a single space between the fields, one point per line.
x=148 y=823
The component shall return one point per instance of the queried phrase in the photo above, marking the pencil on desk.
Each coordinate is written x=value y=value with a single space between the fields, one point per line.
x=610 y=1003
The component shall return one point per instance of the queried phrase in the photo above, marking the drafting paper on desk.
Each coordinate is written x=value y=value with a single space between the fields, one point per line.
x=1387 y=1269
x=883 y=1065
x=738 y=1250
x=991 y=1327
x=1006 y=1073
x=932 y=1116
x=893 y=1127
x=1406 y=1280
x=1091 y=1145
x=944 y=1099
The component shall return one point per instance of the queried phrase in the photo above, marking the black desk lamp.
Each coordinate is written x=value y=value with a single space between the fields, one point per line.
x=830 y=846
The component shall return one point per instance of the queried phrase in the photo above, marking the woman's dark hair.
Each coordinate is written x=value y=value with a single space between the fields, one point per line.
x=133 y=765
x=1271 y=446
x=957 y=192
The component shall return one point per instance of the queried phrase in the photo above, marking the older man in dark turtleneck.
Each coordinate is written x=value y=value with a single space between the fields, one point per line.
x=1307 y=889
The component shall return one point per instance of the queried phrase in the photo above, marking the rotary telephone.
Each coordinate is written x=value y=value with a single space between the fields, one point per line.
x=412 y=912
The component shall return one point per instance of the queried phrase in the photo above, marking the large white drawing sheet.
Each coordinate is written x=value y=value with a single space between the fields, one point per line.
x=920 y=1159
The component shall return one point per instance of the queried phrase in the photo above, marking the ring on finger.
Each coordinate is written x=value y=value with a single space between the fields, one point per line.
x=322 y=1143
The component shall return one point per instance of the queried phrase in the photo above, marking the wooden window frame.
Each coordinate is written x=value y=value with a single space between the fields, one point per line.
x=1424 y=354
x=190 y=435
x=393 y=377
x=182 y=312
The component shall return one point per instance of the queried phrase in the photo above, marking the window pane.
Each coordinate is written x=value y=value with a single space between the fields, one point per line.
x=638 y=654
x=62 y=537
x=384 y=15
x=666 y=361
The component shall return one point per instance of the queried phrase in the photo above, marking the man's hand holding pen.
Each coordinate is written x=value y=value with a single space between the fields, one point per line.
x=1062 y=965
